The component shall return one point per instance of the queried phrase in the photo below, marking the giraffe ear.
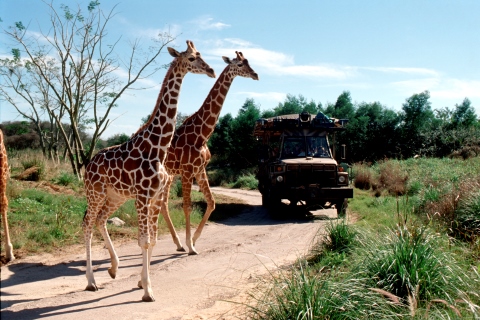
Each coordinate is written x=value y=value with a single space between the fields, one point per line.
x=174 y=53
x=227 y=60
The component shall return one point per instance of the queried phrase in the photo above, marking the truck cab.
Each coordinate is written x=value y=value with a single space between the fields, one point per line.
x=297 y=163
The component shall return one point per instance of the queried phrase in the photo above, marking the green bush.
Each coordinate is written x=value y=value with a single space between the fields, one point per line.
x=248 y=182
x=176 y=188
x=34 y=162
x=301 y=294
x=362 y=178
x=340 y=237
x=409 y=266
x=466 y=224
x=65 y=178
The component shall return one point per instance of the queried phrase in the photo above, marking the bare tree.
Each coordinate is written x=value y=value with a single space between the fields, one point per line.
x=68 y=74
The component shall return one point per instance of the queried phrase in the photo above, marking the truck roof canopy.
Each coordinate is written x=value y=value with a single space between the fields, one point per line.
x=275 y=126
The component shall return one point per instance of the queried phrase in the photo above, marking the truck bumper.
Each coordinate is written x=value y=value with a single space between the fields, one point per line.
x=315 y=193
x=330 y=193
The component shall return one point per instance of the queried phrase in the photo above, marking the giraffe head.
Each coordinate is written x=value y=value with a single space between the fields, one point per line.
x=240 y=66
x=191 y=60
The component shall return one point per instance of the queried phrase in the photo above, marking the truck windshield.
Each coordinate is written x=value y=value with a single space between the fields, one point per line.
x=299 y=147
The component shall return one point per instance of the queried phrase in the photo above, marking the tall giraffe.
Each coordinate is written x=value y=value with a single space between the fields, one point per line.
x=188 y=154
x=4 y=199
x=135 y=169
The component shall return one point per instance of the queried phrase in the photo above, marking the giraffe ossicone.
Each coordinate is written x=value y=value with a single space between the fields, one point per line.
x=188 y=154
x=3 y=198
x=135 y=170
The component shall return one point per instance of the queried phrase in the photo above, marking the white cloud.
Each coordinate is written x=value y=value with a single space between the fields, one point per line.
x=207 y=23
x=412 y=71
x=457 y=89
x=446 y=88
x=276 y=63
x=266 y=96
x=416 y=85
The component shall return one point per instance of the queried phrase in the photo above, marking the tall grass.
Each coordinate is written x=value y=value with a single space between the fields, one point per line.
x=399 y=261
x=303 y=294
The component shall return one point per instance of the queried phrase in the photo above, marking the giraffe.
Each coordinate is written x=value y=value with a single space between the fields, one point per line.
x=135 y=169
x=4 y=199
x=188 y=154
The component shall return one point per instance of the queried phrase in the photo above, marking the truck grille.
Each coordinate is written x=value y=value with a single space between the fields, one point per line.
x=322 y=174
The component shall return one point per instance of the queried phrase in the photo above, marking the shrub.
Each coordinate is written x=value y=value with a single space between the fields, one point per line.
x=466 y=224
x=340 y=237
x=414 y=188
x=37 y=166
x=300 y=294
x=248 y=182
x=393 y=178
x=363 y=177
x=65 y=178
x=176 y=188
x=334 y=244
x=410 y=267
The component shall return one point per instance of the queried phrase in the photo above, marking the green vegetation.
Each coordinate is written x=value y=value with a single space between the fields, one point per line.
x=46 y=215
x=398 y=260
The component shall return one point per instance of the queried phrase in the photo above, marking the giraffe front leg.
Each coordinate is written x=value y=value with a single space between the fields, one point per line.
x=144 y=241
x=8 y=244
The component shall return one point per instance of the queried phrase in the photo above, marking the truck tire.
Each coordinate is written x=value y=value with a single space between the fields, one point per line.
x=341 y=207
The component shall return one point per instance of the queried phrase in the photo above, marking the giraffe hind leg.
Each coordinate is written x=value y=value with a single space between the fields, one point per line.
x=187 y=209
x=110 y=206
x=162 y=203
x=94 y=205
x=202 y=181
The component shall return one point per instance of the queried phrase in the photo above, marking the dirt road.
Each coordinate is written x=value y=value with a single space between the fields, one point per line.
x=233 y=255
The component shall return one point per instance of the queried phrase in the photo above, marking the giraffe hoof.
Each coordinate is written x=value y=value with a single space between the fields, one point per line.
x=92 y=287
x=148 y=299
x=181 y=249
x=192 y=253
x=112 y=273
x=139 y=284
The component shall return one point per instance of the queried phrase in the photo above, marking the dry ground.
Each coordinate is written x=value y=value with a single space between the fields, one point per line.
x=233 y=256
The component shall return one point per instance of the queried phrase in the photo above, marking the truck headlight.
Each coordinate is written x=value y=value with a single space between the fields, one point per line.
x=341 y=179
x=279 y=178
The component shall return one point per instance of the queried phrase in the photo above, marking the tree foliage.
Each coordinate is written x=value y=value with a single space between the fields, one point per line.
x=70 y=75
x=374 y=132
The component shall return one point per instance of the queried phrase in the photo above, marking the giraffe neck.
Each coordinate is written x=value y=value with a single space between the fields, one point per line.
x=160 y=127
x=209 y=112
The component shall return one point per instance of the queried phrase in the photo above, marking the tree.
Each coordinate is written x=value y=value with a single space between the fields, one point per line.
x=293 y=105
x=221 y=141
x=180 y=118
x=243 y=153
x=464 y=115
x=117 y=139
x=69 y=74
x=418 y=118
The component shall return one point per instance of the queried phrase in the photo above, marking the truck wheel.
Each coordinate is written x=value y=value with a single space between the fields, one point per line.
x=342 y=207
x=267 y=199
x=264 y=201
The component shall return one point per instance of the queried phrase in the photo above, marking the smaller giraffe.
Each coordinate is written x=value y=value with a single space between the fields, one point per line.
x=188 y=154
x=4 y=199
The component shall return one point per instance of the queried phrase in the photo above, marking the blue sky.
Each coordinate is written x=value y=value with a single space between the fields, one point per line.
x=378 y=50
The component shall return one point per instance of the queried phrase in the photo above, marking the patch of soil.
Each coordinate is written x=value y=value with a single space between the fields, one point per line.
x=234 y=255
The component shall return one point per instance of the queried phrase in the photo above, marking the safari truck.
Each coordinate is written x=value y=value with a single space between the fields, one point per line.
x=296 y=162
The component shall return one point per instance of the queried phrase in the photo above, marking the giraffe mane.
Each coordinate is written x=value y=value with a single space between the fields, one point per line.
x=159 y=99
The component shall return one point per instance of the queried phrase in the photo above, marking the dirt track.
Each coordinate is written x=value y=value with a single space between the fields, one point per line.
x=233 y=255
